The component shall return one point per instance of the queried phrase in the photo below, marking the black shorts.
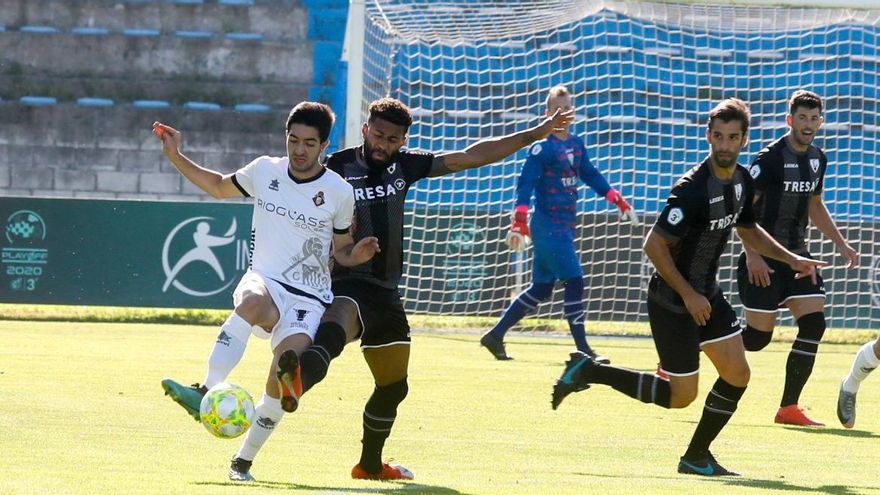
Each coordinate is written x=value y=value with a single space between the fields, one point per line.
x=380 y=311
x=678 y=338
x=783 y=286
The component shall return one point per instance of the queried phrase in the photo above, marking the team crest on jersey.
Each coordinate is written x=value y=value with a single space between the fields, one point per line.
x=738 y=189
x=392 y=168
x=399 y=184
x=319 y=198
x=675 y=216
x=755 y=171
x=570 y=155
x=814 y=164
x=536 y=150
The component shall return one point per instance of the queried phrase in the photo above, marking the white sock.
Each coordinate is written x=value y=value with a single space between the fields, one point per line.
x=862 y=366
x=267 y=416
x=228 y=349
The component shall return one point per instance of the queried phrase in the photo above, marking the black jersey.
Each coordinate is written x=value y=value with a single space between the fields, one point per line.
x=700 y=213
x=379 y=196
x=785 y=182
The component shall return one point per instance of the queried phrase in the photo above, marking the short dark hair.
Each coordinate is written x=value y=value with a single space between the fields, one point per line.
x=391 y=110
x=731 y=109
x=312 y=114
x=804 y=98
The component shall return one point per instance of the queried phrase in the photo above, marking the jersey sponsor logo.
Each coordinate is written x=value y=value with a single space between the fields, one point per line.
x=536 y=149
x=814 y=164
x=273 y=185
x=716 y=199
x=791 y=165
x=723 y=222
x=300 y=220
x=200 y=255
x=314 y=274
x=392 y=168
x=318 y=199
x=675 y=216
x=570 y=181
x=375 y=192
x=755 y=171
x=800 y=186
x=738 y=189
x=301 y=314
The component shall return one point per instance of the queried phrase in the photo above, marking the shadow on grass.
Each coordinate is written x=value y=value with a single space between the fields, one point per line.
x=837 y=432
x=389 y=487
x=775 y=485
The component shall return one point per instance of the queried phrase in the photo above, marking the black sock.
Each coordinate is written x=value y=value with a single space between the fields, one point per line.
x=379 y=415
x=720 y=406
x=315 y=361
x=646 y=387
x=800 y=362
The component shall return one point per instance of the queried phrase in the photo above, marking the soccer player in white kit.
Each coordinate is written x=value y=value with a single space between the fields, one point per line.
x=300 y=210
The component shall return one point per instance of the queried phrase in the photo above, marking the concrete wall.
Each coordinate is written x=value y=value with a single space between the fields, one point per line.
x=69 y=150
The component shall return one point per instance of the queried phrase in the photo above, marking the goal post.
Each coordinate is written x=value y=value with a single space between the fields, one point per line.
x=643 y=76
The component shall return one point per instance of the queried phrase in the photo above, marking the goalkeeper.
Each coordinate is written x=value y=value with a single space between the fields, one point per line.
x=552 y=169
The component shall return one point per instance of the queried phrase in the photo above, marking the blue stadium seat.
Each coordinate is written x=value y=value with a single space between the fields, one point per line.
x=38 y=29
x=244 y=36
x=95 y=102
x=236 y=3
x=150 y=104
x=252 y=107
x=89 y=31
x=202 y=105
x=140 y=32
x=187 y=2
x=193 y=34
x=38 y=100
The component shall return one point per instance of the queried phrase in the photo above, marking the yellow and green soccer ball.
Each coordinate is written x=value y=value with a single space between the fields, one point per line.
x=227 y=410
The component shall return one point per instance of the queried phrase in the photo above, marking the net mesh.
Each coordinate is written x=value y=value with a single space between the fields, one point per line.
x=643 y=76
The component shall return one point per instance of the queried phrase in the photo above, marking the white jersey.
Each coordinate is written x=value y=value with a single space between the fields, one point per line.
x=294 y=222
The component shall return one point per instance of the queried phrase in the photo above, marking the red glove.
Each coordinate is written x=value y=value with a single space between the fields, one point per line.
x=614 y=197
x=519 y=238
x=626 y=211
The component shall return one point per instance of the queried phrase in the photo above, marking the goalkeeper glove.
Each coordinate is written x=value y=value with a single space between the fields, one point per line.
x=626 y=211
x=519 y=238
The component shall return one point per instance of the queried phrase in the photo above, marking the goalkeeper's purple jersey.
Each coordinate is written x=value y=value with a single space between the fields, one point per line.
x=552 y=169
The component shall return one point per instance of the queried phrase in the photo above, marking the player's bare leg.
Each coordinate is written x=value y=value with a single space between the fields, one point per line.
x=270 y=410
x=729 y=358
x=389 y=366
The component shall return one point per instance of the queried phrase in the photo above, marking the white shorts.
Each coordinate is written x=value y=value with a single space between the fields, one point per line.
x=299 y=314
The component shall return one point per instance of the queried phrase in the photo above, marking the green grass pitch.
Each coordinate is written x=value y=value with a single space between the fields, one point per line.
x=82 y=412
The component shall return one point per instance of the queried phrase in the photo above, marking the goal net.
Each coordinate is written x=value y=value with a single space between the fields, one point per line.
x=643 y=77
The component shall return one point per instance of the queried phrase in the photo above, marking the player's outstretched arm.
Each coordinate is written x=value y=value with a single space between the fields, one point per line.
x=213 y=183
x=657 y=249
x=759 y=240
x=822 y=220
x=494 y=149
x=347 y=253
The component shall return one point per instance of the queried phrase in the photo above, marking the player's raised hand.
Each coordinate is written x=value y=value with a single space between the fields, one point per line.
x=559 y=121
x=759 y=271
x=849 y=254
x=805 y=267
x=699 y=308
x=365 y=249
x=170 y=137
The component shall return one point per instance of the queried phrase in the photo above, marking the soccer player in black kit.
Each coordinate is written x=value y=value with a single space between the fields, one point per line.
x=367 y=302
x=789 y=175
x=686 y=308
